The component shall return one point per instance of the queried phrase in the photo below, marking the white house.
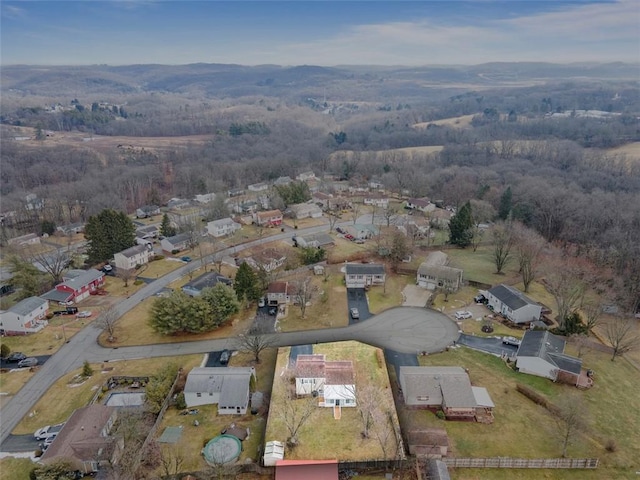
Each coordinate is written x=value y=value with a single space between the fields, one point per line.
x=205 y=198
x=147 y=211
x=422 y=204
x=434 y=273
x=226 y=386
x=513 y=304
x=376 y=200
x=361 y=275
x=542 y=354
x=26 y=316
x=258 y=187
x=333 y=382
x=177 y=242
x=132 y=257
x=304 y=176
x=222 y=227
x=306 y=210
x=279 y=293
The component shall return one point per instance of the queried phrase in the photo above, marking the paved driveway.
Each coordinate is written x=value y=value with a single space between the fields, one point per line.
x=492 y=345
x=357 y=298
x=415 y=296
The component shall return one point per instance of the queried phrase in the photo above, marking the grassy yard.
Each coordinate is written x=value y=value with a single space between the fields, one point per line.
x=11 y=381
x=12 y=468
x=523 y=429
x=323 y=437
x=65 y=396
x=159 y=268
x=380 y=298
x=479 y=265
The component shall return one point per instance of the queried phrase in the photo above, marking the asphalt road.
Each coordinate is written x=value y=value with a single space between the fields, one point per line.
x=492 y=345
x=401 y=329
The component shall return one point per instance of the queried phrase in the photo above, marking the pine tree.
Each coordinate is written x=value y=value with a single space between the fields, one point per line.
x=166 y=229
x=108 y=232
x=506 y=204
x=246 y=283
x=460 y=227
x=223 y=302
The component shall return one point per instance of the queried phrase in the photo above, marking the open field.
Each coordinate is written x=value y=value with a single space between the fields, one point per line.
x=630 y=150
x=380 y=154
x=512 y=435
x=462 y=121
x=323 y=437
x=65 y=396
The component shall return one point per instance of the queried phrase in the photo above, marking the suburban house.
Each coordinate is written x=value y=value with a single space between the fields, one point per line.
x=268 y=260
x=188 y=215
x=76 y=286
x=307 y=469
x=23 y=240
x=205 y=198
x=375 y=184
x=448 y=389
x=270 y=218
x=304 y=176
x=376 y=200
x=258 y=187
x=226 y=386
x=235 y=192
x=361 y=275
x=26 y=316
x=85 y=441
x=132 y=257
x=542 y=354
x=178 y=203
x=281 y=181
x=314 y=240
x=246 y=206
x=222 y=227
x=147 y=211
x=332 y=382
x=434 y=273
x=148 y=231
x=279 y=293
x=363 y=231
x=422 y=204
x=206 y=280
x=513 y=304
x=306 y=210
x=177 y=242
x=322 y=199
x=71 y=229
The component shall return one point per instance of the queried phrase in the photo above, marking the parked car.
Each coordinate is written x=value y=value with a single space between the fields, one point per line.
x=261 y=303
x=224 y=357
x=66 y=304
x=83 y=314
x=48 y=441
x=355 y=314
x=28 y=362
x=273 y=311
x=48 y=431
x=359 y=241
x=348 y=236
x=107 y=268
x=186 y=258
x=463 y=315
x=15 y=357
x=67 y=311
x=511 y=341
x=480 y=299
x=340 y=230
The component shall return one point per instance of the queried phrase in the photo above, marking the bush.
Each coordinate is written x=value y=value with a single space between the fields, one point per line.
x=5 y=350
x=181 y=403
x=611 y=445
x=440 y=414
x=138 y=282
x=157 y=257
x=87 y=371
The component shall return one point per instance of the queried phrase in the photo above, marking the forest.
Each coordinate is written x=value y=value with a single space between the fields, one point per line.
x=550 y=137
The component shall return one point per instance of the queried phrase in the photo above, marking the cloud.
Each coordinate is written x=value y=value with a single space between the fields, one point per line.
x=12 y=12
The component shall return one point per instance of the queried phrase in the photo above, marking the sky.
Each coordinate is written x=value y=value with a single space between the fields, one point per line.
x=324 y=33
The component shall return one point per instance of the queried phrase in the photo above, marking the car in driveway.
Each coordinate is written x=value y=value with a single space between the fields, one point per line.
x=15 y=357
x=48 y=431
x=83 y=314
x=48 y=441
x=463 y=314
x=28 y=362
x=511 y=341
x=224 y=357
x=355 y=314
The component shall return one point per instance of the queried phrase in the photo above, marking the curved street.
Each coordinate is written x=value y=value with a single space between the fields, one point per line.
x=408 y=330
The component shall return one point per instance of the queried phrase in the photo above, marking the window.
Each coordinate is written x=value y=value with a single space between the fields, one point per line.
x=422 y=398
x=198 y=395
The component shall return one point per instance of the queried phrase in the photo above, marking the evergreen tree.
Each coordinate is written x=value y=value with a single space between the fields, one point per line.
x=295 y=192
x=246 y=283
x=460 y=227
x=166 y=229
x=506 y=204
x=180 y=313
x=223 y=302
x=108 y=232
x=26 y=278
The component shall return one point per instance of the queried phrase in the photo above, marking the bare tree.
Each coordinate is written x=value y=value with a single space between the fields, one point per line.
x=502 y=242
x=529 y=246
x=390 y=213
x=53 y=263
x=293 y=411
x=570 y=417
x=591 y=314
x=171 y=460
x=367 y=403
x=385 y=432
x=565 y=282
x=621 y=334
x=355 y=210
x=107 y=321
x=126 y=275
x=305 y=291
x=255 y=344
x=333 y=216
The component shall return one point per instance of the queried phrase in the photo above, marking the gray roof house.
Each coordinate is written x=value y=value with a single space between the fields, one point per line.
x=177 y=242
x=513 y=304
x=434 y=273
x=206 y=280
x=542 y=354
x=226 y=386
x=147 y=211
x=316 y=240
x=26 y=316
x=361 y=275
x=132 y=257
x=446 y=388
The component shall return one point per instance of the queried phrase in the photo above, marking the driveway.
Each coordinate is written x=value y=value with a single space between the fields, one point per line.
x=14 y=365
x=357 y=298
x=491 y=345
x=400 y=359
x=20 y=443
x=415 y=296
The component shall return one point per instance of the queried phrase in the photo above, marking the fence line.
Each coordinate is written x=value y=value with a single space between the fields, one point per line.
x=506 y=462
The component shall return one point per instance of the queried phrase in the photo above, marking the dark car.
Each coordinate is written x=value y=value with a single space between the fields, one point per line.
x=224 y=357
x=16 y=357
x=340 y=230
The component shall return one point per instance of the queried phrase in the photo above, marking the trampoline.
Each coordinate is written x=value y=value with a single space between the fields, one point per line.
x=222 y=449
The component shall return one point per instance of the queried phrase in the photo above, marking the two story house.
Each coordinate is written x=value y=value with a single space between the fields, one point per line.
x=26 y=316
x=132 y=257
x=270 y=218
x=222 y=227
x=361 y=275
x=434 y=273
x=76 y=286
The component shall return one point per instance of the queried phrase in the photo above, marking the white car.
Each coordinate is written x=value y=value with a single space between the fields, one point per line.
x=83 y=314
x=511 y=341
x=48 y=431
x=463 y=314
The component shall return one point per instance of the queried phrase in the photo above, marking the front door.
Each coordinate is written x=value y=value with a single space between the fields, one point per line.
x=337 y=404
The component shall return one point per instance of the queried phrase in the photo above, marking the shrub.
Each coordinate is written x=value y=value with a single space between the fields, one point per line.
x=181 y=403
x=157 y=257
x=138 y=282
x=175 y=251
x=5 y=350
x=440 y=414
x=611 y=445
x=87 y=371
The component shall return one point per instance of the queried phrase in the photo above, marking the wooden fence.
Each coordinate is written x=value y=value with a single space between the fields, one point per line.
x=505 y=462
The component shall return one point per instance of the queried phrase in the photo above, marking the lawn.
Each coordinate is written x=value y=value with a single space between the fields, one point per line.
x=12 y=468
x=345 y=250
x=513 y=435
x=159 y=268
x=480 y=267
x=390 y=295
x=65 y=396
x=323 y=437
x=11 y=381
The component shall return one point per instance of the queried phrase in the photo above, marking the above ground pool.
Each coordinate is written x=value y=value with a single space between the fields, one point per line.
x=222 y=449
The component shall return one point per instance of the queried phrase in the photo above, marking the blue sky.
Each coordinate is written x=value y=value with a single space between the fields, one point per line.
x=317 y=33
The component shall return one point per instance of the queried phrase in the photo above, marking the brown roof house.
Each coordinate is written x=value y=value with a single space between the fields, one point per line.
x=85 y=440
x=434 y=273
x=448 y=389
